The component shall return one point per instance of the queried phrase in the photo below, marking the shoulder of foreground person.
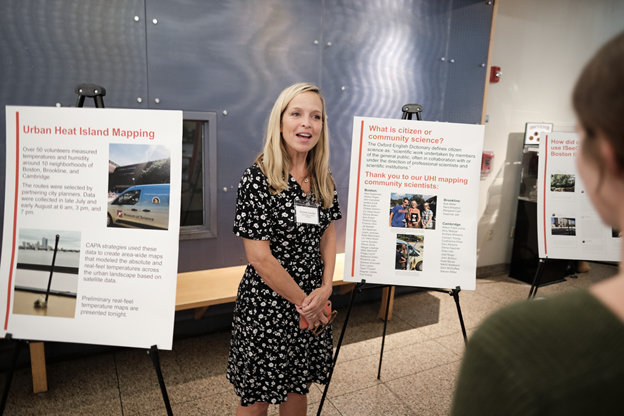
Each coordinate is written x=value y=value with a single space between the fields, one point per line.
x=561 y=355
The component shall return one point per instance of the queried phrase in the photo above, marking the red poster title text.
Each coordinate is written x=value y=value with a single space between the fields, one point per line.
x=564 y=148
x=399 y=135
x=80 y=131
x=394 y=180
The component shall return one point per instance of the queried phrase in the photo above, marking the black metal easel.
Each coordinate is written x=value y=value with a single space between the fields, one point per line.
x=356 y=291
x=90 y=90
x=19 y=342
x=9 y=378
x=97 y=93
x=408 y=111
x=537 y=278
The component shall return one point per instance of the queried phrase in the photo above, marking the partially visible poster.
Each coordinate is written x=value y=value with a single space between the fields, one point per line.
x=413 y=197
x=91 y=224
x=568 y=225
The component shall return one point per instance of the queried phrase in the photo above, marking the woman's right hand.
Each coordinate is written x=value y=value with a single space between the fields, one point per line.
x=314 y=318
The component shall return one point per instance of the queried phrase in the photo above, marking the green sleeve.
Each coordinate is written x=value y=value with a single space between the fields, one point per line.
x=489 y=383
x=557 y=356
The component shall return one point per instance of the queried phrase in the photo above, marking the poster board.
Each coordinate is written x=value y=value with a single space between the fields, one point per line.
x=433 y=165
x=534 y=132
x=568 y=225
x=107 y=183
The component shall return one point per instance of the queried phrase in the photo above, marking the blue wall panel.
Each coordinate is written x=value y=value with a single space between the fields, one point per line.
x=237 y=56
x=466 y=75
x=47 y=47
x=377 y=56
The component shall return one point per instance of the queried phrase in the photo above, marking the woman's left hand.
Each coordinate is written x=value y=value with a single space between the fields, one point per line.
x=314 y=304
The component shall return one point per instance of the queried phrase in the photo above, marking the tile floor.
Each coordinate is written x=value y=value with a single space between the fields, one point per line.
x=422 y=356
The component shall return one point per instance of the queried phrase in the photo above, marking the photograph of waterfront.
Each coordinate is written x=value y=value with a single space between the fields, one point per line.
x=36 y=250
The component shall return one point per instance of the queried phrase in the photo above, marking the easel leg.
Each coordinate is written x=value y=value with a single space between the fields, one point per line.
x=38 y=367
x=153 y=353
x=387 y=298
x=537 y=279
x=455 y=294
x=9 y=378
x=356 y=291
x=383 y=339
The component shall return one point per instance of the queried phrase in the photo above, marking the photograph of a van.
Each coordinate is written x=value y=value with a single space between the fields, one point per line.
x=141 y=206
x=138 y=186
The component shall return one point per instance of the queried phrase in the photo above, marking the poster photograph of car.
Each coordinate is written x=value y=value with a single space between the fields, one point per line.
x=46 y=277
x=139 y=178
x=410 y=252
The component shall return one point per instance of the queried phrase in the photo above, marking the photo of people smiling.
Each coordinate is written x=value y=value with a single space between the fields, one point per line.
x=412 y=211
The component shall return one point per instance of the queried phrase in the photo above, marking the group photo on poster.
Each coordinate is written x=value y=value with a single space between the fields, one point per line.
x=412 y=211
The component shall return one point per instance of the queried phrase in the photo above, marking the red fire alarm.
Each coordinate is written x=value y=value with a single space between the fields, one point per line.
x=495 y=74
x=487 y=159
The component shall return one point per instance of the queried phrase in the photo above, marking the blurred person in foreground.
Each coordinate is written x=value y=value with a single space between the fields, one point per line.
x=564 y=355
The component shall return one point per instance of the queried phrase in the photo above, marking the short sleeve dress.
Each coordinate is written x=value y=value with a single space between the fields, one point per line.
x=270 y=356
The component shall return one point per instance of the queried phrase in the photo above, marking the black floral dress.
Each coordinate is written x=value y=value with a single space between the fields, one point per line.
x=269 y=355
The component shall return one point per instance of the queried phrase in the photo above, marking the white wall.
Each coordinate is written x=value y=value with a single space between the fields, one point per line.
x=541 y=47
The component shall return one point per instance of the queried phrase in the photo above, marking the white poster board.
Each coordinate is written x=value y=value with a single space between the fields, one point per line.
x=107 y=183
x=568 y=225
x=534 y=132
x=431 y=163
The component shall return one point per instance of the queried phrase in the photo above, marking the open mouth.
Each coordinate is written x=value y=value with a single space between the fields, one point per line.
x=305 y=136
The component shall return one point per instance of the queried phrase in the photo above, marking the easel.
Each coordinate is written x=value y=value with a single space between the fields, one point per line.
x=408 y=110
x=537 y=279
x=96 y=92
x=9 y=378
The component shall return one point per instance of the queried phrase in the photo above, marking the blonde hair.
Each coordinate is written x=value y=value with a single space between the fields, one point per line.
x=275 y=162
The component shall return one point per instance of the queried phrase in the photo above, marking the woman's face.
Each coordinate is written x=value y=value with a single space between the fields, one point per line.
x=302 y=123
x=414 y=204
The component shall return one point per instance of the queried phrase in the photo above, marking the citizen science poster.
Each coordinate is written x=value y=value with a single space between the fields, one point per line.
x=568 y=225
x=91 y=224
x=413 y=197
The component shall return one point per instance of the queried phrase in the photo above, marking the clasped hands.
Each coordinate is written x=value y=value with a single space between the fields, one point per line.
x=313 y=307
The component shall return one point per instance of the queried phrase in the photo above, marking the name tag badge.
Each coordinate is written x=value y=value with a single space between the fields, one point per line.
x=306 y=214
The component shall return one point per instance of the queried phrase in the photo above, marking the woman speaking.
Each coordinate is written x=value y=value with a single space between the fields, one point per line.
x=285 y=209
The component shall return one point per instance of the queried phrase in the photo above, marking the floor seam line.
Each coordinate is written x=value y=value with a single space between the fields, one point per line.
x=118 y=384
x=398 y=398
